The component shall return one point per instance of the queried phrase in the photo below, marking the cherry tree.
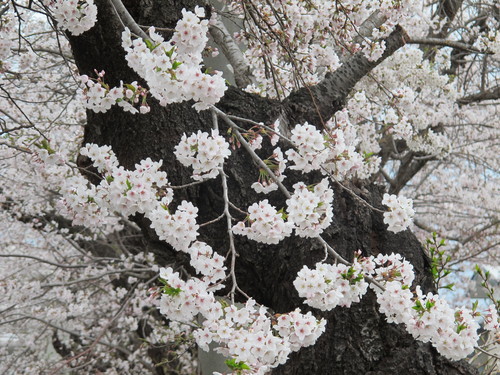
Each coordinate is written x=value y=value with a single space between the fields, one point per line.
x=284 y=210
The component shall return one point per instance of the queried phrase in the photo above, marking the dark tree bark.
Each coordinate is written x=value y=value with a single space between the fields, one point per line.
x=357 y=340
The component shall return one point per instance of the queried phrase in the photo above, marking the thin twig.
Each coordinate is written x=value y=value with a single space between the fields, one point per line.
x=213 y=221
x=229 y=218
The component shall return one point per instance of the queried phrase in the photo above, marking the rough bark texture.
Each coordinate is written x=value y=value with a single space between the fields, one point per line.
x=357 y=340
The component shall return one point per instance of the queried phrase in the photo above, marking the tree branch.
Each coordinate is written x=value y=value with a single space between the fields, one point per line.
x=43 y=261
x=241 y=68
x=491 y=94
x=318 y=103
x=445 y=43
x=127 y=19
x=409 y=168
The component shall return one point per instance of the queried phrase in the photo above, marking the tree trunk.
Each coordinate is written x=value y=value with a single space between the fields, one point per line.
x=357 y=340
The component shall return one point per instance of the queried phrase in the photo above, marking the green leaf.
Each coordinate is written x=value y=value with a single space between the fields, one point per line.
x=45 y=146
x=418 y=305
x=461 y=327
x=478 y=270
x=223 y=303
x=151 y=46
x=283 y=214
x=149 y=43
x=236 y=366
x=176 y=64
x=170 y=52
x=358 y=279
x=129 y=185
x=169 y=290
x=474 y=305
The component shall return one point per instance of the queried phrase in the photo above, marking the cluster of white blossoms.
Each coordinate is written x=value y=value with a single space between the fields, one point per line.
x=246 y=334
x=266 y=225
x=190 y=35
x=402 y=114
x=76 y=16
x=179 y=229
x=429 y=318
x=103 y=157
x=120 y=191
x=78 y=203
x=395 y=302
x=309 y=211
x=373 y=50
x=172 y=68
x=7 y=34
x=46 y=157
x=400 y=214
x=431 y=143
x=142 y=190
x=490 y=42
x=332 y=151
x=397 y=274
x=328 y=286
x=130 y=192
x=391 y=267
x=206 y=262
x=312 y=149
x=344 y=160
x=453 y=332
x=491 y=320
x=99 y=97
x=204 y=152
x=301 y=330
x=183 y=300
x=310 y=208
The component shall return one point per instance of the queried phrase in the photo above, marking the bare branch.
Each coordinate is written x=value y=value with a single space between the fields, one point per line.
x=127 y=19
x=491 y=94
x=446 y=43
x=242 y=72
x=43 y=261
